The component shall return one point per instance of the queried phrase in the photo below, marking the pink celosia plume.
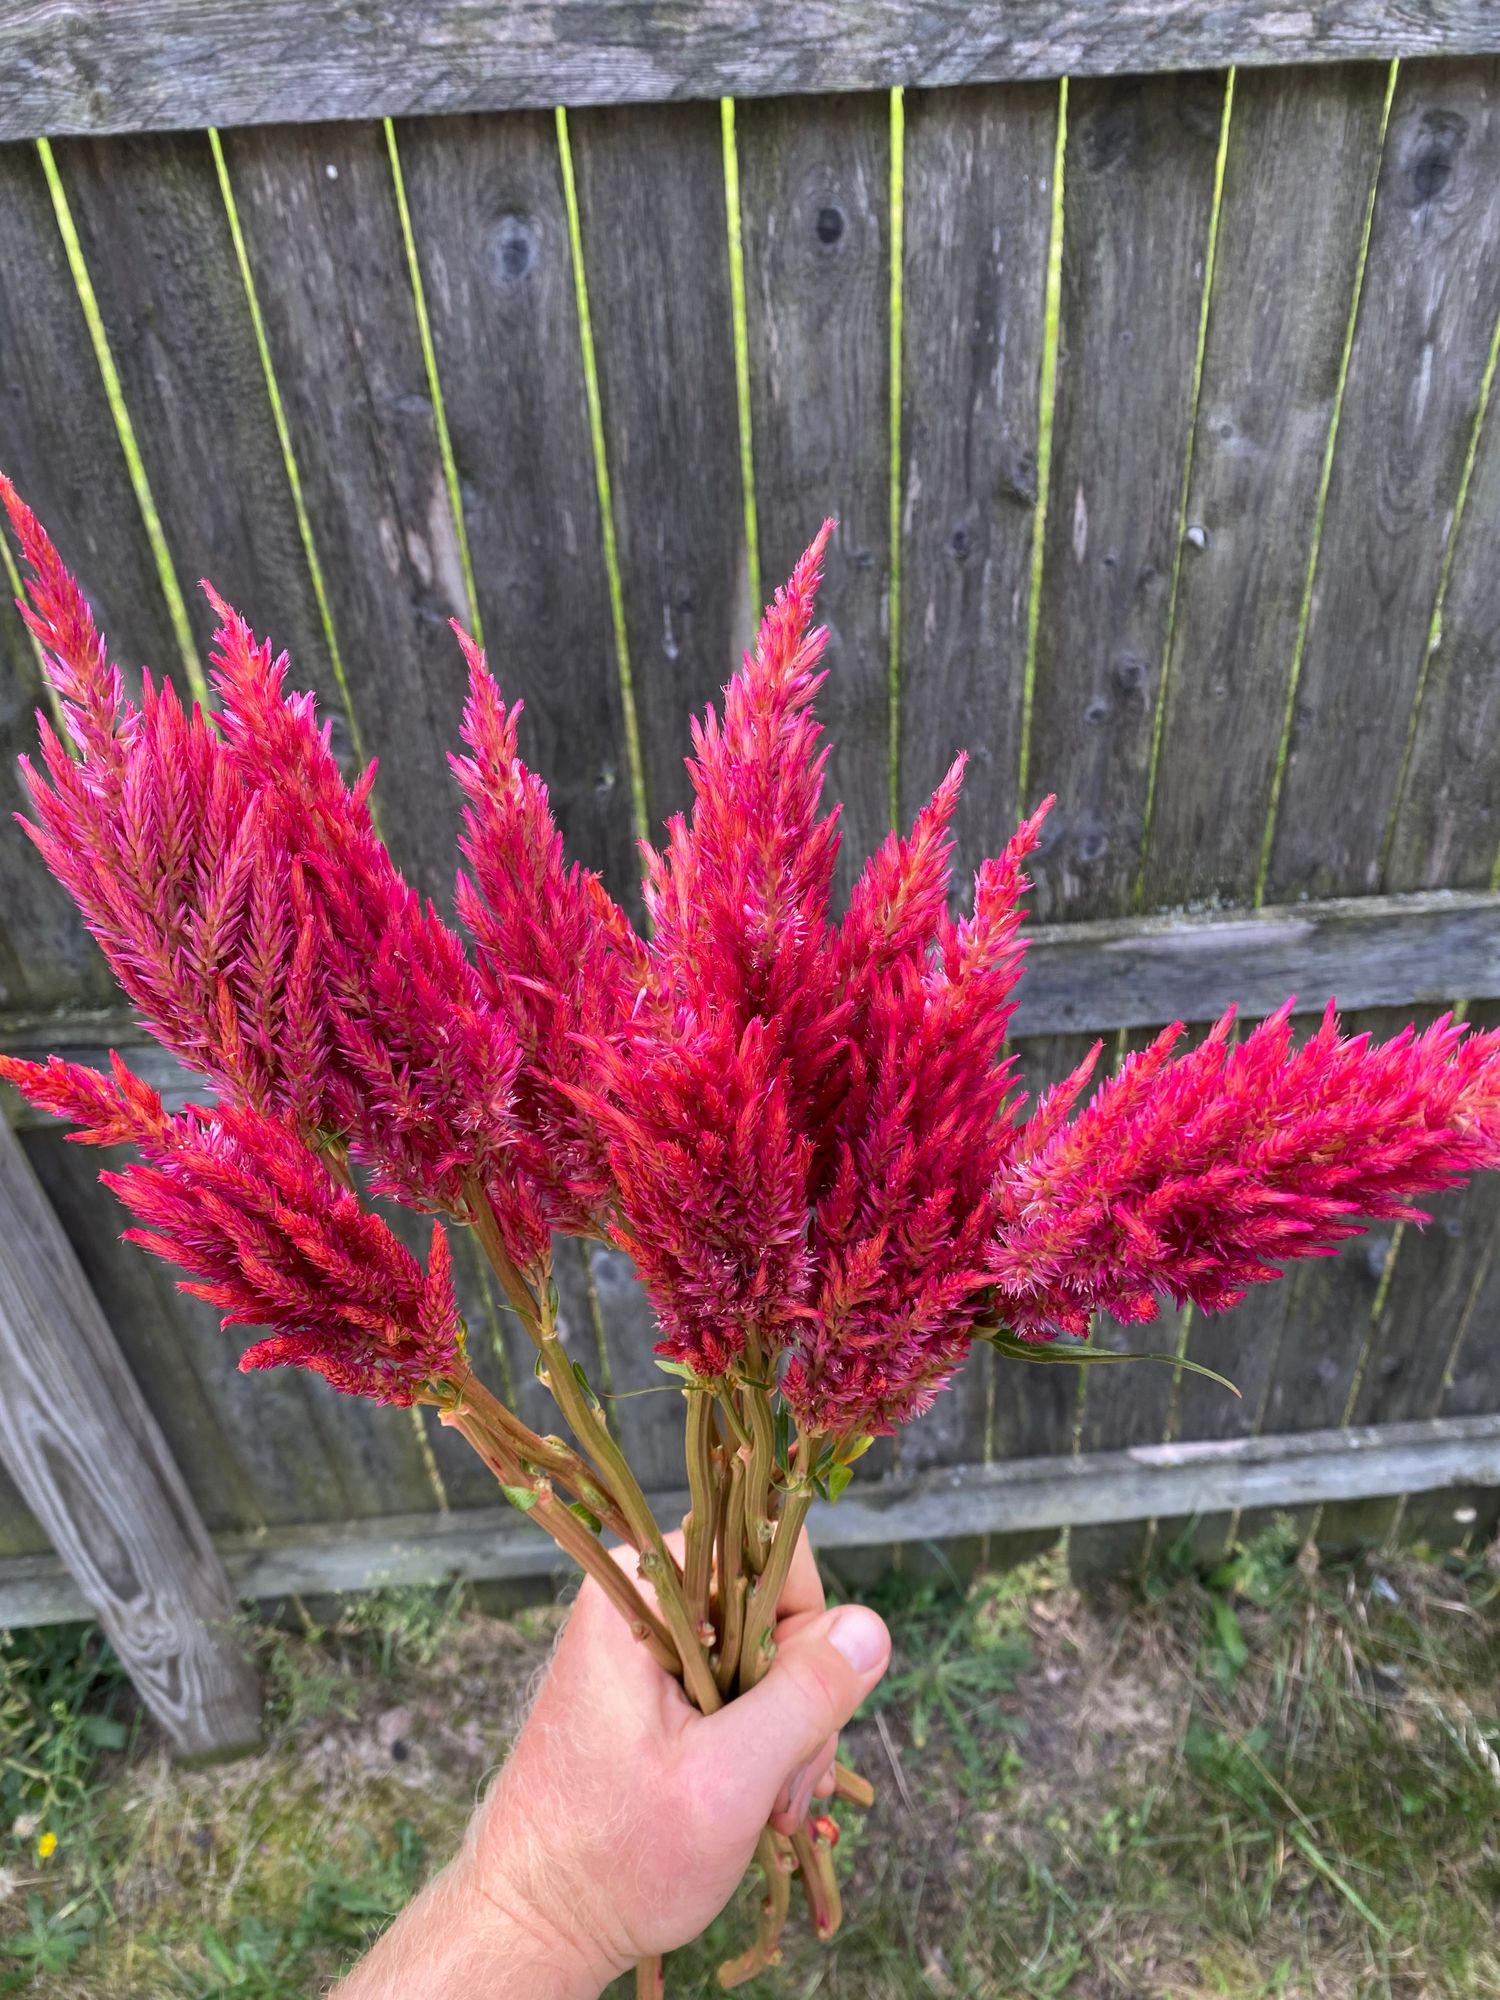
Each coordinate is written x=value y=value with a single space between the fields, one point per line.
x=805 y=1130
x=1194 y=1178
x=237 y=1199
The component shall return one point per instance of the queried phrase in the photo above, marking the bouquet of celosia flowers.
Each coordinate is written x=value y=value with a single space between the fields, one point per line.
x=805 y=1132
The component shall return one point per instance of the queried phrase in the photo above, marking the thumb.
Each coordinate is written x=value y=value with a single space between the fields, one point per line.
x=821 y=1673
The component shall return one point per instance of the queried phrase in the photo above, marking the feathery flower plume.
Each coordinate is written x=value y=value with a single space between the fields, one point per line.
x=1194 y=1178
x=716 y=1094
x=236 y=1198
x=557 y=957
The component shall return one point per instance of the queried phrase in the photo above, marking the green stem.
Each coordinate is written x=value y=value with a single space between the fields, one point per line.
x=698 y=1528
x=567 y=1531
x=549 y=1455
x=758 y=1527
x=757 y=1648
x=586 y=1420
x=731 y=1578
x=773 y=1857
x=819 y=1883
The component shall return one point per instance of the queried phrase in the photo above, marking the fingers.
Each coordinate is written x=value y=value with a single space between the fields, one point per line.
x=809 y=1780
x=776 y=1738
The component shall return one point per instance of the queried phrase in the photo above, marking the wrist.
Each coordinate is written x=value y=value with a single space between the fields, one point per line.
x=543 y=1908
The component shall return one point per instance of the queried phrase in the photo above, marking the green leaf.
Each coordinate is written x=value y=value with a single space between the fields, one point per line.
x=583 y=1383
x=1078 y=1354
x=520 y=1496
x=838 y=1478
x=1230 y=1633
x=680 y=1369
x=590 y=1521
x=103 y=1731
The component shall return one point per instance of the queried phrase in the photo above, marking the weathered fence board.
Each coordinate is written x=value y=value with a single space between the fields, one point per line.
x=75 y=1430
x=323 y=238
x=1427 y=318
x=157 y=242
x=1016 y=1497
x=977 y=220
x=815 y=198
x=1303 y=151
x=1138 y=189
x=490 y=223
x=1447 y=822
x=136 y=63
x=1183 y=515
x=59 y=444
x=656 y=253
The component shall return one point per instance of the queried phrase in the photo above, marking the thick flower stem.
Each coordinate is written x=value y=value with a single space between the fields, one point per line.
x=819 y=1883
x=758 y=1525
x=698 y=1528
x=570 y=1534
x=649 y=1981
x=757 y=1647
x=732 y=1581
x=852 y=1788
x=548 y=1455
x=586 y=1420
x=773 y=1857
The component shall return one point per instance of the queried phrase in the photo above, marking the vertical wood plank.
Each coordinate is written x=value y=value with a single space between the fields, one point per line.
x=155 y=236
x=77 y=1436
x=656 y=254
x=976 y=229
x=58 y=443
x=1137 y=195
x=491 y=229
x=58 y=440
x=1427 y=316
x=815 y=198
x=1446 y=831
x=322 y=232
x=1471 y=1387
x=1302 y=155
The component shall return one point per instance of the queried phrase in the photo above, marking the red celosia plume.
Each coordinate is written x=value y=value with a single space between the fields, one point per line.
x=803 y=1127
x=238 y=1200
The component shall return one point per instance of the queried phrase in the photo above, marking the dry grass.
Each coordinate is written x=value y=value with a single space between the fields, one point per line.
x=1283 y=1783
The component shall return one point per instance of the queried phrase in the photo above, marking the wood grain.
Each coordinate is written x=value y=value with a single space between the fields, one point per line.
x=156 y=239
x=1304 y=146
x=1427 y=316
x=977 y=223
x=78 y=1439
x=138 y=63
x=491 y=229
x=1446 y=826
x=323 y=236
x=656 y=253
x=58 y=443
x=1137 y=193
x=815 y=203
x=1008 y=1498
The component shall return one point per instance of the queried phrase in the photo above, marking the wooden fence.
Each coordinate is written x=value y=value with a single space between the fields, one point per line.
x=1153 y=407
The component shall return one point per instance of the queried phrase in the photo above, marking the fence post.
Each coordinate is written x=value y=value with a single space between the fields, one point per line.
x=84 y=1449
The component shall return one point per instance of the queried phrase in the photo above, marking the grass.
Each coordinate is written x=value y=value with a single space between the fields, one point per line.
x=1275 y=1780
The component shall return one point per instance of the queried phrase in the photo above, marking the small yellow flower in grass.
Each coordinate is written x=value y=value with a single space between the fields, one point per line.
x=46 y=1847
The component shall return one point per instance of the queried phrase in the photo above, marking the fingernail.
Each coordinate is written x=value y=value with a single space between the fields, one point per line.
x=860 y=1636
x=802 y=1796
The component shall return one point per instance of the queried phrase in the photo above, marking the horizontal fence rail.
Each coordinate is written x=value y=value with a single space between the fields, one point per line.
x=1020 y=1496
x=1157 y=409
x=146 y=65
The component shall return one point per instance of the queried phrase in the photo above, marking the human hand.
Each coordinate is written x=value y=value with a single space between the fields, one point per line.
x=623 y=1820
